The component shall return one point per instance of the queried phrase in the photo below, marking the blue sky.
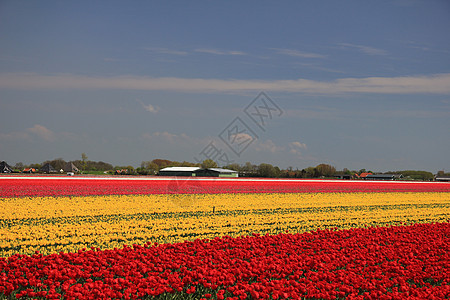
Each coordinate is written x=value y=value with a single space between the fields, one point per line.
x=359 y=84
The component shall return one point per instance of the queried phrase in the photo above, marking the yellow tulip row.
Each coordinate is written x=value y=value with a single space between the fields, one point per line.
x=50 y=225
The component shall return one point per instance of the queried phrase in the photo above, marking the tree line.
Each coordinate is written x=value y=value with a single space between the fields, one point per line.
x=245 y=170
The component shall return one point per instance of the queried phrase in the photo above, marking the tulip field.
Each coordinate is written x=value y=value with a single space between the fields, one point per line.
x=204 y=238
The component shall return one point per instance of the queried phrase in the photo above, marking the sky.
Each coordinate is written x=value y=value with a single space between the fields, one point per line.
x=355 y=84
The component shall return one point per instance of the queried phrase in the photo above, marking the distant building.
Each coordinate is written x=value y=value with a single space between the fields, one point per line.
x=343 y=176
x=383 y=177
x=178 y=171
x=364 y=175
x=121 y=172
x=442 y=178
x=47 y=168
x=196 y=171
x=216 y=172
x=5 y=168
x=29 y=170
x=70 y=167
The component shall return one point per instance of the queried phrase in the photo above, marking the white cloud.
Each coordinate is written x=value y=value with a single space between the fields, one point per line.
x=365 y=49
x=269 y=146
x=149 y=107
x=241 y=137
x=297 y=53
x=427 y=84
x=296 y=147
x=43 y=132
x=219 y=52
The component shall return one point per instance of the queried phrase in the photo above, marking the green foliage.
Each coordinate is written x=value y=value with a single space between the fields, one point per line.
x=267 y=170
x=415 y=175
x=209 y=163
x=325 y=170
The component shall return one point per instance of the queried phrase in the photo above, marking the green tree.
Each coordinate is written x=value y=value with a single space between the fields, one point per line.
x=162 y=163
x=209 y=163
x=234 y=167
x=19 y=166
x=325 y=170
x=57 y=163
x=84 y=159
x=309 y=172
x=267 y=170
x=151 y=167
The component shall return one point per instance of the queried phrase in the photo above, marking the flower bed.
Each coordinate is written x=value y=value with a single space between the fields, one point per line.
x=57 y=186
x=367 y=263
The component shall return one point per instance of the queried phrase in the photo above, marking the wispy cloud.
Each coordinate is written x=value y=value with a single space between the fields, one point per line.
x=364 y=49
x=297 y=53
x=428 y=84
x=319 y=68
x=268 y=146
x=148 y=107
x=166 y=51
x=37 y=130
x=42 y=132
x=219 y=52
x=297 y=147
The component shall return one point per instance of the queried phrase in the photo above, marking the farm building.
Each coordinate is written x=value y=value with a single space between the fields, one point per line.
x=5 y=168
x=178 y=171
x=70 y=167
x=47 y=168
x=29 y=170
x=383 y=177
x=343 y=176
x=216 y=172
x=363 y=175
x=442 y=178
x=196 y=171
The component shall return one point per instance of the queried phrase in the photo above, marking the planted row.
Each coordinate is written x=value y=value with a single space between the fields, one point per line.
x=365 y=263
x=54 y=224
x=54 y=186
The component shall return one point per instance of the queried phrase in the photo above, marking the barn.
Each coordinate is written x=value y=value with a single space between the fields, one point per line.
x=196 y=171
x=216 y=172
x=178 y=171
x=47 y=168
x=5 y=168
x=442 y=178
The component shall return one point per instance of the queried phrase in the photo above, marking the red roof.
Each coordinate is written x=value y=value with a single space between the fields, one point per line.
x=364 y=174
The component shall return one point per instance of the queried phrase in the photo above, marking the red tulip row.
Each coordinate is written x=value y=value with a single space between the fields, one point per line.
x=367 y=263
x=80 y=187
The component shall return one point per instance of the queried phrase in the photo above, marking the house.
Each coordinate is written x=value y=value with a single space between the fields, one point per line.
x=5 y=168
x=70 y=167
x=216 y=172
x=29 y=170
x=121 y=172
x=178 y=171
x=364 y=175
x=47 y=168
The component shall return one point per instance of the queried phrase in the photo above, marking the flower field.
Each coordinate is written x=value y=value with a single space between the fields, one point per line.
x=64 y=186
x=216 y=239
